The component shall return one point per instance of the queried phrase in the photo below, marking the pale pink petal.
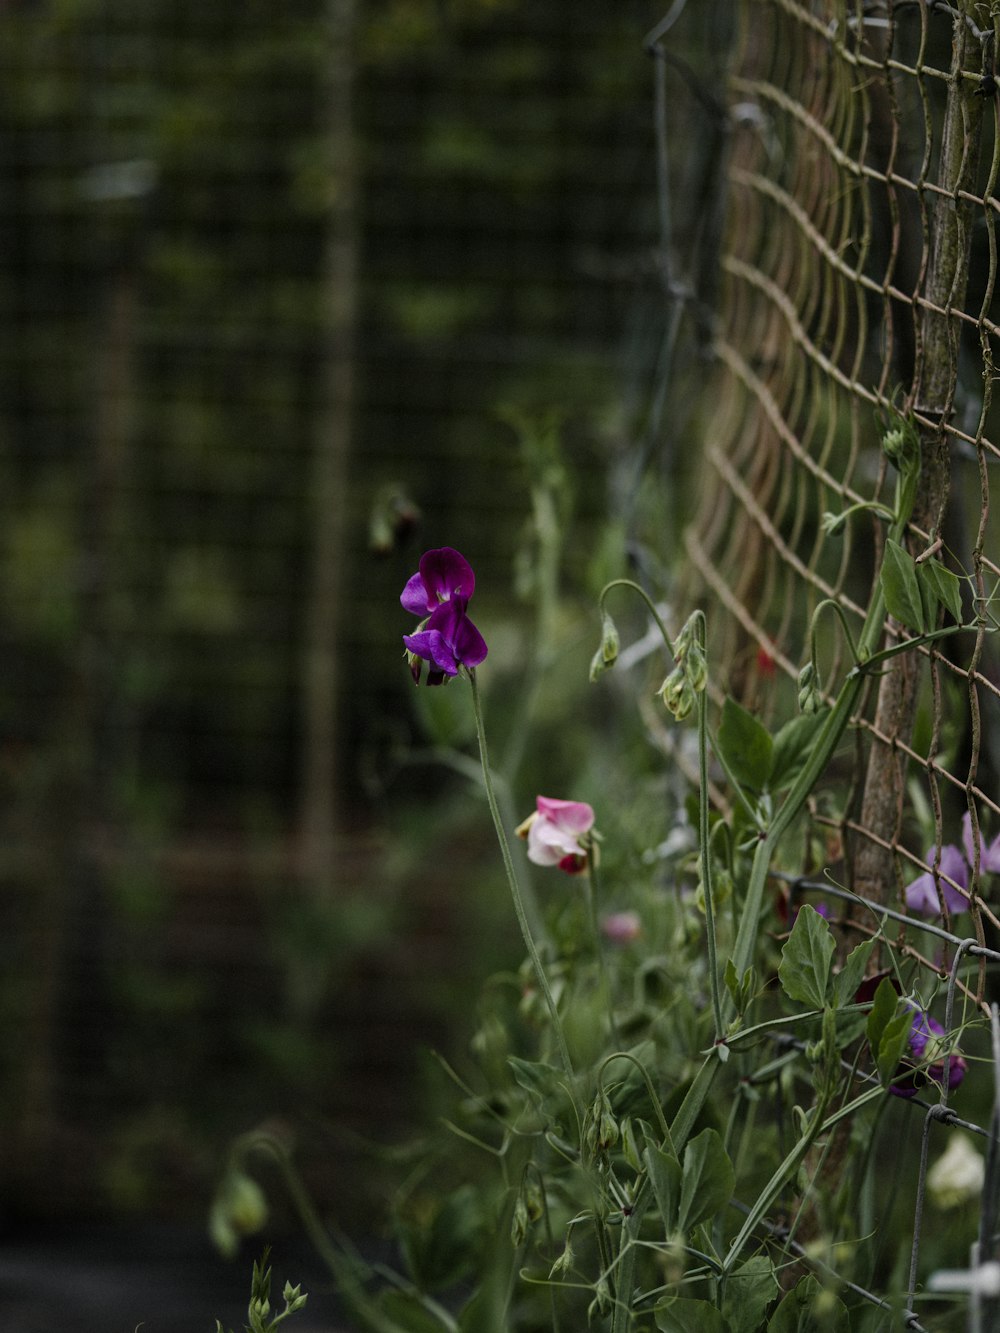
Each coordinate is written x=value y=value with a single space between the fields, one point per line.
x=573 y=816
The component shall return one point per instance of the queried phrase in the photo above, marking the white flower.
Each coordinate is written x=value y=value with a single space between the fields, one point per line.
x=958 y=1173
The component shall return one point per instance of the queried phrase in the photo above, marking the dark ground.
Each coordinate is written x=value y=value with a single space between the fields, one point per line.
x=94 y=1279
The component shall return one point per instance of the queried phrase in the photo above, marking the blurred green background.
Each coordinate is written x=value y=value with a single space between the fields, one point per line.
x=289 y=293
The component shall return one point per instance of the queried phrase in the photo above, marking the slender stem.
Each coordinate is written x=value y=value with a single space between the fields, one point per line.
x=515 y=893
x=592 y=890
x=706 y=864
x=629 y=583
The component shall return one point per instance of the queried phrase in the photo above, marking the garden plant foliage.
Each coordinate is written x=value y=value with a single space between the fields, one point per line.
x=685 y=1110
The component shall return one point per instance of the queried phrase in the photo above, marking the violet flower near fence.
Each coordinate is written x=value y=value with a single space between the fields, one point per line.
x=955 y=865
x=927 y=1040
x=446 y=638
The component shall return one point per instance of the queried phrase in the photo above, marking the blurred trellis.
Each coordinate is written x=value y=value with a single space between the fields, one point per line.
x=239 y=242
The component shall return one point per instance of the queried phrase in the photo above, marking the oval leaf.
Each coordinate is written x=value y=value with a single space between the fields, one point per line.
x=706 y=1181
x=745 y=746
x=901 y=587
x=685 y=1315
x=804 y=971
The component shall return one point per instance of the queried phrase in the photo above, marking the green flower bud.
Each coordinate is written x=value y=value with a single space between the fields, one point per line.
x=610 y=642
x=597 y=666
x=520 y=1222
x=810 y=698
x=677 y=694
x=696 y=667
x=564 y=1263
x=833 y=524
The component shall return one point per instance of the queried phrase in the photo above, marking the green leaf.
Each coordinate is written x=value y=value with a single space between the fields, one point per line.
x=749 y=1291
x=685 y=1315
x=851 y=975
x=538 y=1079
x=808 y=1308
x=406 y=1310
x=745 y=745
x=883 y=1008
x=741 y=989
x=892 y=1044
x=943 y=586
x=707 y=1180
x=792 y=747
x=804 y=971
x=665 y=1173
x=901 y=587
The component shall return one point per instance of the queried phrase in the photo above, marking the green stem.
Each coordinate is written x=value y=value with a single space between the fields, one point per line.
x=591 y=890
x=629 y=583
x=515 y=893
x=706 y=863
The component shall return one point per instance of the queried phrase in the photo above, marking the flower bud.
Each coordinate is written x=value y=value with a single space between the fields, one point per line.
x=564 y=1263
x=610 y=642
x=833 y=524
x=677 y=694
x=809 y=695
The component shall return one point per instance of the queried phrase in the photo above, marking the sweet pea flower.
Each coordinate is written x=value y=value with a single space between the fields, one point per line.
x=621 y=927
x=989 y=857
x=927 y=1041
x=958 y=1174
x=557 y=833
x=446 y=638
x=956 y=864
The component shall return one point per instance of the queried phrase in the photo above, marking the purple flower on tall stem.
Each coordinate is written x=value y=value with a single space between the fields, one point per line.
x=445 y=638
x=927 y=1041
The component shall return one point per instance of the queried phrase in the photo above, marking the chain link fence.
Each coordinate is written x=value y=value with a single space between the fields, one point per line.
x=858 y=260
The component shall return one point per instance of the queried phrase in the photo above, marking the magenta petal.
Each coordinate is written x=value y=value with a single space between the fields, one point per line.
x=431 y=645
x=573 y=816
x=469 y=644
x=414 y=597
x=446 y=574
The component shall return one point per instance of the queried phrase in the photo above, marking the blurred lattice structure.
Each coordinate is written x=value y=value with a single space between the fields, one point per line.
x=858 y=269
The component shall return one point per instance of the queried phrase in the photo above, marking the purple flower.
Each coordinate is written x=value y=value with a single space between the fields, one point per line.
x=989 y=857
x=922 y=894
x=446 y=638
x=956 y=864
x=927 y=1042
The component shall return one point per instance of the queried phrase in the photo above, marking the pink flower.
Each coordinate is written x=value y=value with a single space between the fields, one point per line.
x=621 y=927
x=557 y=834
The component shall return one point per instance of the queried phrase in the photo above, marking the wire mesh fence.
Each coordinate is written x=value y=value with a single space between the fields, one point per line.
x=858 y=283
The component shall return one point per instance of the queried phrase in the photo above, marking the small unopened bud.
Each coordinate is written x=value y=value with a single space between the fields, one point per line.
x=810 y=698
x=520 y=1222
x=677 y=694
x=833 y=524
x=564 y=1263
x=610 y=642
x=696 y=667
x=602 y=1128
x=597 y=666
